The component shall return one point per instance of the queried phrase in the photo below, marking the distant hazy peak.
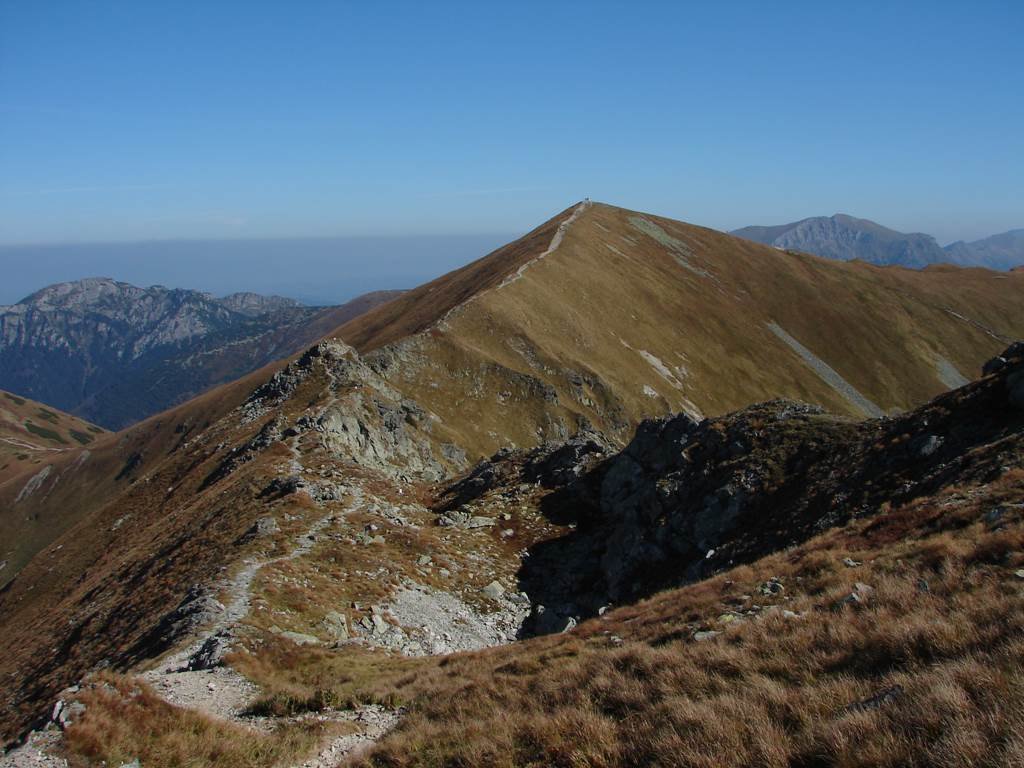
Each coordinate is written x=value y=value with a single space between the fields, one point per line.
x=1002 y=251
x=845 y=237
x=73 y=292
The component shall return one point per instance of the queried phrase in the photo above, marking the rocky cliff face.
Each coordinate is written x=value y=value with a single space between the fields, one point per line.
x=685 y=500
x=115 y=353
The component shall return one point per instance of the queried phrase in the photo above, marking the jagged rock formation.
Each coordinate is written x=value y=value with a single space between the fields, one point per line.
x=114 y=353
x=685 y=499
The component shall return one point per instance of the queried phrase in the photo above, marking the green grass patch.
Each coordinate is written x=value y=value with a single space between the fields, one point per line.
x=46 y=415
x=14 y=398
x=82 y=437
x=43 y=432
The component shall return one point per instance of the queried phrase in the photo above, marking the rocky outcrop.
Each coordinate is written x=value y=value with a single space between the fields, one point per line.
x=365 y=419
x=686 y=499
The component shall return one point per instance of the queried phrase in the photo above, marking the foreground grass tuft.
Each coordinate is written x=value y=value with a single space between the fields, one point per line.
x=125 y=720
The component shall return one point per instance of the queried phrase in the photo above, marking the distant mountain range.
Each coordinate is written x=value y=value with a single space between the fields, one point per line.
x=846 y=238
x=113 y=353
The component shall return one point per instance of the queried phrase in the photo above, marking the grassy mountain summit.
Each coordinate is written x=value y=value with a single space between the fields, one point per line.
x=634 y=315
x=553 y=508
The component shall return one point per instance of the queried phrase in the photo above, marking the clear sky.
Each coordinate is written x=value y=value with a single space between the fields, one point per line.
x=145 y=120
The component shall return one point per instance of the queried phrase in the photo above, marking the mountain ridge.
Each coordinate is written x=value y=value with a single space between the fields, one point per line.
x=845 y=237
x=1002 y=251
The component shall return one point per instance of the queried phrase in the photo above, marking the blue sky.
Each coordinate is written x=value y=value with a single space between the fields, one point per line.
x=144 y=120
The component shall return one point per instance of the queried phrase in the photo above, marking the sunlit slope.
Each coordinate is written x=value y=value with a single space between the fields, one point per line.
x=635 y=315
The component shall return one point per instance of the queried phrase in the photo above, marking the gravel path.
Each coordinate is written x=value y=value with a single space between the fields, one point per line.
x=373 y=723
x=34 y=753
x=221 y=691
x=552 y=247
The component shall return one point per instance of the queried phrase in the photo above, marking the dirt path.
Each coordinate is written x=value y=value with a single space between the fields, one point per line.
x=373 y=723
x=220 y=691
x=552 y=247
x=556 y=241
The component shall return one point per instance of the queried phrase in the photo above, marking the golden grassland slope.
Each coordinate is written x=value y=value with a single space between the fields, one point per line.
x=635 y=315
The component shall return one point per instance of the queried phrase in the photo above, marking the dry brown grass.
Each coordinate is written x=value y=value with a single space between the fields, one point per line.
x=943 y=629
x=125 y=720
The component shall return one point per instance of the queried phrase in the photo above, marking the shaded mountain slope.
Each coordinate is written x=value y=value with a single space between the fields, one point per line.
x=114 y=353
x=41 y=503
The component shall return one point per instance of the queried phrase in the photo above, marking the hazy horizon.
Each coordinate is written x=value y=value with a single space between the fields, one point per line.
x=322 y=270
x=315 y=271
